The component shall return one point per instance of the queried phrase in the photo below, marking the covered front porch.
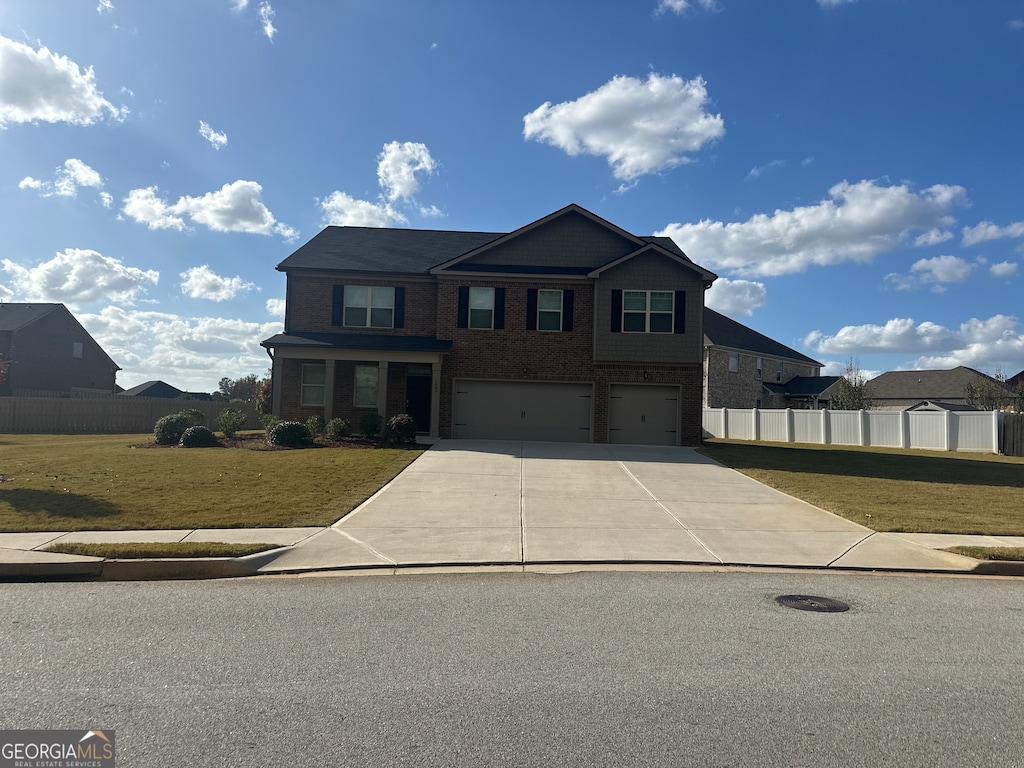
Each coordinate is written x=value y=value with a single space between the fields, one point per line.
x=348 y=375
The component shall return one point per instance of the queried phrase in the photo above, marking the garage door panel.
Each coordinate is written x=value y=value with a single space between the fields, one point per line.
x=643 y=414
x=516 y=410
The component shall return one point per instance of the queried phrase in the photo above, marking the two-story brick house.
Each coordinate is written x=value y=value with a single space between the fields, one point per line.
x=569 y=328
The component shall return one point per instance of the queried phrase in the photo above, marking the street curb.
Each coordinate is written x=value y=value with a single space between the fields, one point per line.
x=168 y=569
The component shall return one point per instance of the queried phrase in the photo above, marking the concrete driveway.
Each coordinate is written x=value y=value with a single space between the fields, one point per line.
x=504 y=502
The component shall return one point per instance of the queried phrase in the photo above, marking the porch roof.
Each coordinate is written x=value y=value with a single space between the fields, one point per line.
x=367 y=341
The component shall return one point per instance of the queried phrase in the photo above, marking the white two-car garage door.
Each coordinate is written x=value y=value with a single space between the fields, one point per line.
x=523 y=410
x=643 y=414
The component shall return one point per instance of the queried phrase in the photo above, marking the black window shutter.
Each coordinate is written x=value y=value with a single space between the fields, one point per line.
x=338 y=306
x=499 y=308
x=680 y=321
x=616 y=311
x=531 y=309
x=399 y=307
x=566 y=310
x=463 y=318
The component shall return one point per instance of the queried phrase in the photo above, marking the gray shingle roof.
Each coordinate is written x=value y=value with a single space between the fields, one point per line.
x=947 y=385
x=374 y=341
x=721 y=331
x=14 y=316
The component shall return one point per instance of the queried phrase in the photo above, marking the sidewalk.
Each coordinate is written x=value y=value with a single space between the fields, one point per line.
x=475 y=503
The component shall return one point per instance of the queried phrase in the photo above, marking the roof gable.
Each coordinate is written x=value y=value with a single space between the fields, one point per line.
x=722 y=331
x=943 y=385
x=15 y=315
x=657 y=249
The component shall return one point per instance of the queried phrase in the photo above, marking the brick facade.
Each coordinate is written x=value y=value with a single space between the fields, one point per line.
x=742 y=388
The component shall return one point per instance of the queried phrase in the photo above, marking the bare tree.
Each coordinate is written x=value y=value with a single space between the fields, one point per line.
x=852 y=394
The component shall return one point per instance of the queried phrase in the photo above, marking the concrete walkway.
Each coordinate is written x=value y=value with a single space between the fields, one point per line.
x=475 y=502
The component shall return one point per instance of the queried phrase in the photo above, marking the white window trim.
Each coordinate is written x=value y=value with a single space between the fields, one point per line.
x=560 y=311
x=734 y=362
x=760 y=369
x=647 y=312
x=469 y=318
x=368 y=306
x=304 y=387
x=356 y=388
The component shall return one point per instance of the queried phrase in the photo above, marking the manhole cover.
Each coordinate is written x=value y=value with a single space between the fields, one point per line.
x=812 y=603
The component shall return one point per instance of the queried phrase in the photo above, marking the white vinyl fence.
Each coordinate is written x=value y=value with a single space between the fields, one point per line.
x=930 y=430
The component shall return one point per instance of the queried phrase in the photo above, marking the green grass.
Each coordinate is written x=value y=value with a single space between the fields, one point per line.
x=891 y=490
x=137 y=550
x=101 y=482
x=1014 y=554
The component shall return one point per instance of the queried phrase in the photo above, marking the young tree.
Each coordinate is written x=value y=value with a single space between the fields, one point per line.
x=993 y=394
x=852 y=394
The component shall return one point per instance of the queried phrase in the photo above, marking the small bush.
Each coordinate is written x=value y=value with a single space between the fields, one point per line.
x=315 y=425
x=269 y=421
x=400 y=429
x=230 y=421
x=337 y=429
x=198 y=437
x=370 y=424
x=168 y=429
x=289 y=433
x=195 y=417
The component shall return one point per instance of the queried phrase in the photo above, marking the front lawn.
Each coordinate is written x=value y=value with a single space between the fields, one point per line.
x=102 y=482
x=891 y=490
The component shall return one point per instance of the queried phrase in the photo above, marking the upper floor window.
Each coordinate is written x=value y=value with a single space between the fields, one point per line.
x=734 y=362
x=760 y=371
x=647 y=311
x=549 y=310
x=77 y=350
x=481 y=307
x=778 y=371
x=368 y=307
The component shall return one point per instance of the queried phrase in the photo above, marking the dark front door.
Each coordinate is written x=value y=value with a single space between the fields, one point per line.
x=417 y=400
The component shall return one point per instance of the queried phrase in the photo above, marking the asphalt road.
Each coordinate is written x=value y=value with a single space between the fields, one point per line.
x=617 y=669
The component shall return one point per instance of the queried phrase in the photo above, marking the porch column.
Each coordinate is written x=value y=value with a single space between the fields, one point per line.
x=328 y=390
x=277 y=384
x=382 y=389
x=435 y=399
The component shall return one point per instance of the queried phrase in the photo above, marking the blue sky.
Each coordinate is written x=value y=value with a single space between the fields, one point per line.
x=850 y=168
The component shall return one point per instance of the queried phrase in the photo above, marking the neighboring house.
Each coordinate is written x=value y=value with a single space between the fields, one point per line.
x=1016 y=382
x=902 y=390
x=45 y=350
x=153 y=389
x=746 y=369
x=569 y=328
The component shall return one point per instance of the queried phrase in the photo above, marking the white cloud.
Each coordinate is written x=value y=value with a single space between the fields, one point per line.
x=192 y=353
x=934 y=272
x=42 y=86
x=678 y=6
x=986 y=231
x=202 y=283
x=398 y=165
x=69 y=179
x=1017 y=24
x=735 y=298
x=1003 y=269
x=834 y=3
x=217 y=140
x=240 y=5
x=982 y=344
x=104 y=5
x=858 y=222
x=275 y=307
x=266 y=14
x=641 y=127
x=77 y=275
x=757 y=170
x=341 y=210
x=933 y=237
x=235 y=207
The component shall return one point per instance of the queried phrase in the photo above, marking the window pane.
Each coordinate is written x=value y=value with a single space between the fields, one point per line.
x=383 y=297
x=381 y=318
x=549 y=321
x=366 y=386
x=633 y=322
x=312 y=395
x=661 y=322
x=366 y=376
x=481 y=298
x=661 y=301
x=355 y=316
x=480 y=318
x=313 y=374
x=355 y=295
x=634 y=300
x=549 y=299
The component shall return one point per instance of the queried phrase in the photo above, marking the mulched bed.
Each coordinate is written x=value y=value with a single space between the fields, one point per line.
x=258 y=442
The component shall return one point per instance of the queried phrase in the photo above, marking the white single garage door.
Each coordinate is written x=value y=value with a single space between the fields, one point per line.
x=643 y=414
x=522 y=410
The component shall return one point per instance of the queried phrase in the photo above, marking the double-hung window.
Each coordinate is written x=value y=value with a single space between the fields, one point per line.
x=647 y=311
x=369 y=307
x=313 y=383
x=366 y=386
x=549 y=310
x=481 y=307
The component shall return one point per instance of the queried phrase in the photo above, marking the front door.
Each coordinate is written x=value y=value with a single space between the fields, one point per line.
x=417 y=399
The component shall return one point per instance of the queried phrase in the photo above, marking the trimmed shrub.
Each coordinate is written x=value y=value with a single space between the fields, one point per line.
x=315 y=425
x=289 y=433
x=269 y=421
x=198 y=437
x=370 y=424
x=230 y=421
x=337 y=429
x=195 y=417
x=400 y=429
x=168 y=429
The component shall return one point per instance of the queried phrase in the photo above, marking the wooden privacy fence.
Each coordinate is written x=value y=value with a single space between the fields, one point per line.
x=1013 y=434
x=930 y=430
x=128 y=415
